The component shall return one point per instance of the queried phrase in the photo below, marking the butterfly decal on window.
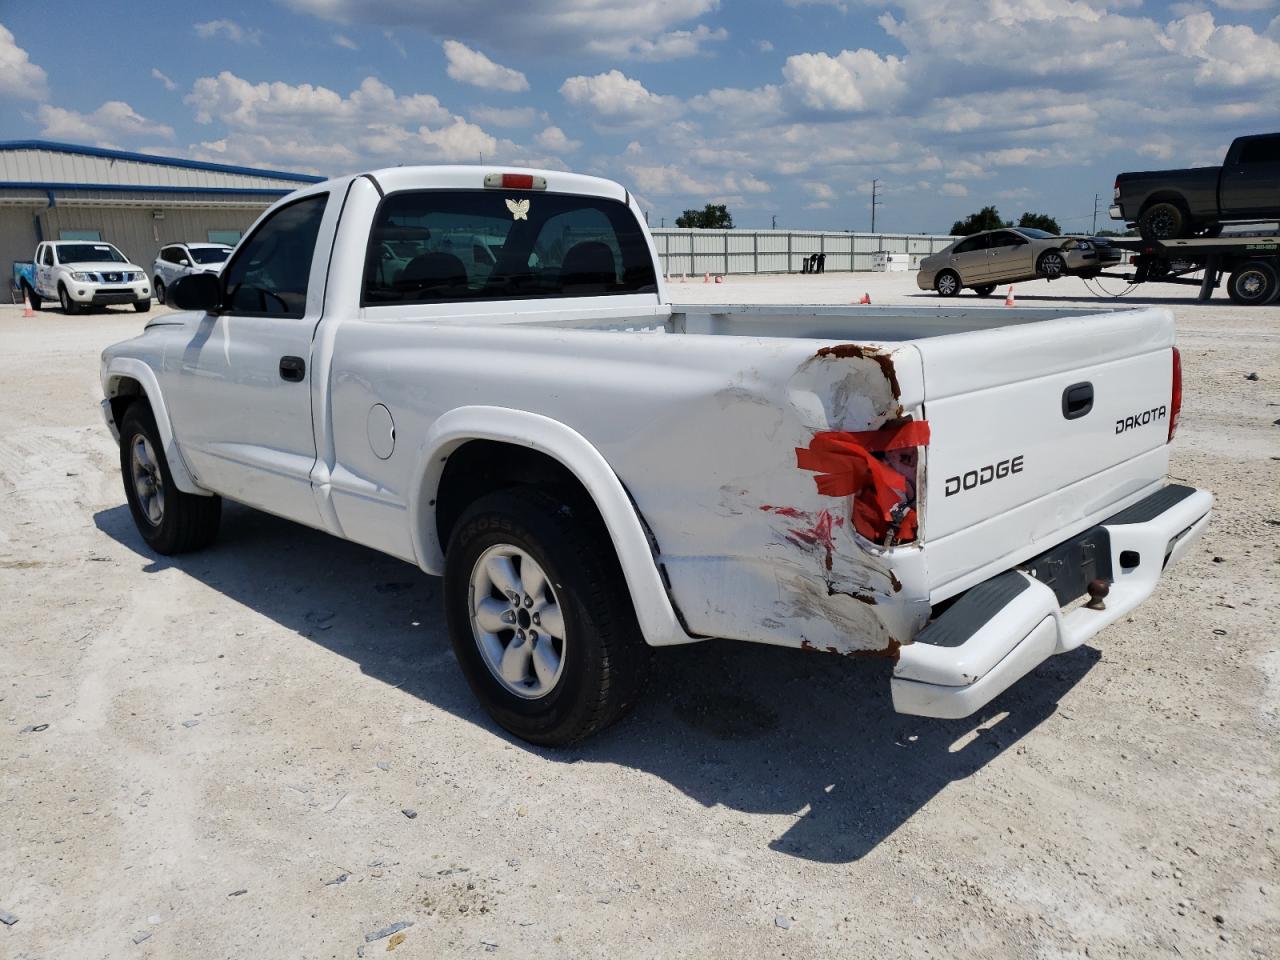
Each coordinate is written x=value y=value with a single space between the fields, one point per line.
x=519 y=209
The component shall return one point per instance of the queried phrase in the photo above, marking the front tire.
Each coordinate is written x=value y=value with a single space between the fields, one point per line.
x=947 y=283
x=69 y=306
x=158 y=287
x=1051 y=265
x=168 y=519
x=1253 y=284
x=540 y=617
x=142 y=306
x=1162 y=221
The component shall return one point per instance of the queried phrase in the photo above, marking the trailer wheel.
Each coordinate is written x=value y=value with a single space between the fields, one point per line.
x=1253 y=283
x=1162 y=221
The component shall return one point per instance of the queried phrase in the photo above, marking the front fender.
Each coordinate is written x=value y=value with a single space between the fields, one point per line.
x=654 y=610
x=119 y=369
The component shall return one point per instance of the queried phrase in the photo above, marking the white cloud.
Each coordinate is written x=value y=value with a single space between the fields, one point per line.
x=314 y=128
x=473 y=67
x=111 y=125
x=228 y=30
x=853 y=80
x=820 y=190
x=617 y=100
x=666 y=46
x=1228 y=55
x=507 y=116
x=543 y=26
x=764 y=46
x=19 y=77
x=163 y=78
x=555 y=140
x=666 y=180
x=954 y=190
x=342 y=40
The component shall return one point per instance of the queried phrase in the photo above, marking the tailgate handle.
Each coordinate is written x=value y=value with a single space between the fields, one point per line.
x=1077 y=400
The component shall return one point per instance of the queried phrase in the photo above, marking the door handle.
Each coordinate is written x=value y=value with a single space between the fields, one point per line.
x=1077 y=400
x=292 y=369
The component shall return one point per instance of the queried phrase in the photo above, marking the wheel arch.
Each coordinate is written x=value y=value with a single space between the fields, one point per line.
x=125 y=381
x=1165 y=196
x=537 y=437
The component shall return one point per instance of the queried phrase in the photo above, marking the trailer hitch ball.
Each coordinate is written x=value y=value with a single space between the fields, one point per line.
x=1098 y=590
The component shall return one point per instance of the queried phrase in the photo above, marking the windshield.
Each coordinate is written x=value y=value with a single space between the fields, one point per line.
x=89 y=253
x=209 y=254
x=1035 y=234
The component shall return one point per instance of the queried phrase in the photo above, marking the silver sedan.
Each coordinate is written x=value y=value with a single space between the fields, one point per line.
x=1011 y=255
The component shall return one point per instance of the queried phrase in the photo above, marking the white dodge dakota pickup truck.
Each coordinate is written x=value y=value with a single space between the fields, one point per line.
x=595 y=471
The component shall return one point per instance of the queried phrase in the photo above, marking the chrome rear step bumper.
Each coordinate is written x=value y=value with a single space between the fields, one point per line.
x=1003 y=628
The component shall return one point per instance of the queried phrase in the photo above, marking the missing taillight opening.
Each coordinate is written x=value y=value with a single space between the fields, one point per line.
x=1175 y=401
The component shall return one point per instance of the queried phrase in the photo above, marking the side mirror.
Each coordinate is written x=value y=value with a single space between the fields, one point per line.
x=184 y=262
x=199 y=291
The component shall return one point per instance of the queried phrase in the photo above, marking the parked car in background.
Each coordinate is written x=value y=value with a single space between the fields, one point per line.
x=595 y=470
x=1012 y=255
x=1168 y=204
x=86 y=273
x=183 y=259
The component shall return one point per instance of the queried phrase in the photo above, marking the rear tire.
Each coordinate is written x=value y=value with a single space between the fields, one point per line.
x=1253 y=284
x=69 y=306
x=985 y=290
x=168 y=519
x=1162 y=221
x=33 y=298
x=158 y=286
x=947 y=283
x=558 y=552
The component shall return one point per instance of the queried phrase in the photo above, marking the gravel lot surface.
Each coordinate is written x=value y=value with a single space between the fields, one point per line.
x=212 y=756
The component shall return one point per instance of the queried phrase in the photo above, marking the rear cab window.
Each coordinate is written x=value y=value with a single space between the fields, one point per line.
x=448 y=246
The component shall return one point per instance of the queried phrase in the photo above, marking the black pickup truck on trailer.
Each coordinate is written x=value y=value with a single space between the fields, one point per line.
x=1170 y=204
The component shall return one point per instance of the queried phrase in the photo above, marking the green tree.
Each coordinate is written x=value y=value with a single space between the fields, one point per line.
x=1040 y=221
x=714 y=216
x=988 y=218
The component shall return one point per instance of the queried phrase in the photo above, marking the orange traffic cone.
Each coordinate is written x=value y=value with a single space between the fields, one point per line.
x=1008 y=300
x=866 y=299
x=26 y=305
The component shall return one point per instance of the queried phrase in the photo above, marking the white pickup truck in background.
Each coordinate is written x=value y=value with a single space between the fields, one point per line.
x=82 y=274
x=595 y=471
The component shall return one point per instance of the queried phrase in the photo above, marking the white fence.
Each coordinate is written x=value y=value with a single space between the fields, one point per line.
x=696 y=252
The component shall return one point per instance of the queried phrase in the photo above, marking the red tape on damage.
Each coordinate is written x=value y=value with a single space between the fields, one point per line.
x=846 y=468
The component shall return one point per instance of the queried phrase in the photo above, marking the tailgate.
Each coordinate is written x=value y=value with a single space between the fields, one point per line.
x=1036 y=431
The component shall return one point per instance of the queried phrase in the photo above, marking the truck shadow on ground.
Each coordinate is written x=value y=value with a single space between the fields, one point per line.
x=757 y=729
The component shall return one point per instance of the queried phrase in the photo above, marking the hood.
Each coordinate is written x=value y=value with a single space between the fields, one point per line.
x=103 y=266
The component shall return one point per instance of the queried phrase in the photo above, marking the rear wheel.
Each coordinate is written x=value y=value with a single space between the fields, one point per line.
x=168 y=519
x=540 y=617
x=159 y=288
x=69 y=306
x=33 y=298
x=1253 y=283
x=1051 y=265
x=947 y=283
x=1162 y=221
x=985 y=290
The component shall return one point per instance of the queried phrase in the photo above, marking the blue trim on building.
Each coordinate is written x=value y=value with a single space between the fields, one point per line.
x=56 y=147
x=140 y=188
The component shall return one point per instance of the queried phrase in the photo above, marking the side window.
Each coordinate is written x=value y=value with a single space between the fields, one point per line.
x=269 y=274
x=1261 y=150
x=972 y=244
x=166 y=254
x=1003 y=238
x=48 y=256
x=446 y=246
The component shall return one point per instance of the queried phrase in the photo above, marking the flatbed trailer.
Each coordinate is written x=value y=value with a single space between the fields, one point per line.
x=1251 y=265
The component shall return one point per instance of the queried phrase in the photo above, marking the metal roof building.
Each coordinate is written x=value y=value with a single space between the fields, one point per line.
x=139 y=202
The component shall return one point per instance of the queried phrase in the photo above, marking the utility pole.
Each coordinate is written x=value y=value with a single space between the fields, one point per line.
x=1095 y=213
x=875 y=202
x=773 y=220
x=664 y=221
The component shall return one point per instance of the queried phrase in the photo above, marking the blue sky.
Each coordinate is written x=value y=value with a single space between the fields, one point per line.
x=786 y=108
